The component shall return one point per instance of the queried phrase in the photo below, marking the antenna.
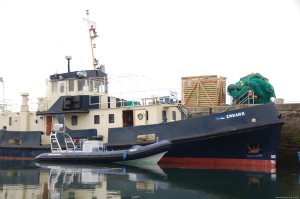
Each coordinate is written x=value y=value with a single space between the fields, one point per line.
x=93 y=35
x=87 y=19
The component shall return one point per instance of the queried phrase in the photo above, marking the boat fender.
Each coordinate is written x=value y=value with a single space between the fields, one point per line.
x=125 y=155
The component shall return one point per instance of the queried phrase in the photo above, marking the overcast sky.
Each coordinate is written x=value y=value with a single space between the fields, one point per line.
x=151 y=43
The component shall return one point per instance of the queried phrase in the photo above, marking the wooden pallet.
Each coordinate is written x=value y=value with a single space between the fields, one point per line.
x=203 y=91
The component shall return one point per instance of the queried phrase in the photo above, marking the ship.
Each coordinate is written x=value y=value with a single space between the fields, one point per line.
x=81 y=102
x=245 y=136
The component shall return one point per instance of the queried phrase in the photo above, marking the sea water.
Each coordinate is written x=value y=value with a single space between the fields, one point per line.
x=30 y=180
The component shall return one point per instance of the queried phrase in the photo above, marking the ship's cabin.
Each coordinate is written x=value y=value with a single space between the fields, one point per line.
x=78 y=83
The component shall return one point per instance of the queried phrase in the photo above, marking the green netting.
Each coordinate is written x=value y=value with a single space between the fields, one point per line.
x=263 y=90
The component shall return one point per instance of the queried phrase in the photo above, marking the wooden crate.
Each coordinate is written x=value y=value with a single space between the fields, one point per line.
x=203 y=91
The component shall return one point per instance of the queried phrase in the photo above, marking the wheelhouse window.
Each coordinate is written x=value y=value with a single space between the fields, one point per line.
x=71 y=85
x=91 y=86
x=74 y=120
x=81 y=84
x=96 y=119
x=111 y=118
x=99 y=87
x=87 y=86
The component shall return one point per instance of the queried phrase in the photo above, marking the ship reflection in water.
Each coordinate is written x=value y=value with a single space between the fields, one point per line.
x=30 y=180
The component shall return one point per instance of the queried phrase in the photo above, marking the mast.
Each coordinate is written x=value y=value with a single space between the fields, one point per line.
x=93 y=35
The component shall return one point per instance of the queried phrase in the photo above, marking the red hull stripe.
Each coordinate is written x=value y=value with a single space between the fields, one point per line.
x=268 y=166
x=16 y=158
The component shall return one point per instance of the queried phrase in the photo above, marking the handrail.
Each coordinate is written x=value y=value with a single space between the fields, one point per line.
x=248 y=97
x=182 y=111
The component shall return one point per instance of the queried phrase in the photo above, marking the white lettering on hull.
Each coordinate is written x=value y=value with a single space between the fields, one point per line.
x=239 y=114
x=229 y=116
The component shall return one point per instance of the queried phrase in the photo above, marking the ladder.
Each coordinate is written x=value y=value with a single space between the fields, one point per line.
x=55 y=190
x=183 y=112
x=56 y=145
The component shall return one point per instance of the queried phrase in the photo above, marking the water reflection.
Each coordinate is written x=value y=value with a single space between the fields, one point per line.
x=30 y=180
x=105 y=181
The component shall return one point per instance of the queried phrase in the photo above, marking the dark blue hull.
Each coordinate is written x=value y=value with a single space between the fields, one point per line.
x=243 y=136
x=244 y=147
x=21 y=153
x=21 y=145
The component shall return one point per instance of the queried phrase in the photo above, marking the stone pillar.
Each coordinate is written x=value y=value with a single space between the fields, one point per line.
x=24 y=114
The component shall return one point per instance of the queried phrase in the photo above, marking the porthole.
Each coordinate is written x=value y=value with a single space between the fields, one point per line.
x=140 y=116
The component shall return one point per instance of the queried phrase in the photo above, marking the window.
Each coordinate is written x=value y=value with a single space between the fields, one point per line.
x=62 y=87
x=10 y=121
x=147 y=115
x=111 y=118
x=87 y=86
x=74 y=120
x=164 y=116
x=71 y=85
x=140 y=116
x=94 y=99
x=174 y=115
x=81 y=83
x=91 y=86
x=98 y=86
x=54 y=86
x=96 y=119
x=14 y=142
x=108 y=101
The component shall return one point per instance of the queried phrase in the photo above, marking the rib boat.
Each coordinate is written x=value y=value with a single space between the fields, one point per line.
x=63 y=150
